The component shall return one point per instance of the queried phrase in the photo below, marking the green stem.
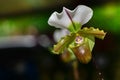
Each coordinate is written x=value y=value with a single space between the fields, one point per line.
x=75 y=70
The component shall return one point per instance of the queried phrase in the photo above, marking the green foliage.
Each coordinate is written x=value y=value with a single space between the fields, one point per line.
x=21 y=23
x=107 y=17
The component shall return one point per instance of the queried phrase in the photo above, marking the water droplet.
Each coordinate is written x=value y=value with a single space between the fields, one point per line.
x=99 y=73
x=102 y=79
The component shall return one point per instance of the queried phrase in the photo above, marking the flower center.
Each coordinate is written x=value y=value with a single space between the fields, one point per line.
x=78 y=39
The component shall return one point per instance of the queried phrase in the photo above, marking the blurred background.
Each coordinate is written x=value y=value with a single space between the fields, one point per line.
x=25 y=38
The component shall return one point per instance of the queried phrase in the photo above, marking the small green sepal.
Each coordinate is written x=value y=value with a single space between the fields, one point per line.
x=74 y=27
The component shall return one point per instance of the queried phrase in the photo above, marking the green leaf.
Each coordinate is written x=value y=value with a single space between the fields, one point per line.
x=63 y=43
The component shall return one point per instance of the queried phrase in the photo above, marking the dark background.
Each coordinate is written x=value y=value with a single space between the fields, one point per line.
x=29 y=17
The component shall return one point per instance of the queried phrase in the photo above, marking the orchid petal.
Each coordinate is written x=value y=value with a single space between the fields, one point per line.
x=82 y=14
x=63 y=44
x=59 y=20
x=58 y=34
x=93 y=31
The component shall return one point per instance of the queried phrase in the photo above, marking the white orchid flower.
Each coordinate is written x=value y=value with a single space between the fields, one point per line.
x=71 y=36
x=82 y=14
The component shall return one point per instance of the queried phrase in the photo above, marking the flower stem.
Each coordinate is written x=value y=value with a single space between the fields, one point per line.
x=75 y=70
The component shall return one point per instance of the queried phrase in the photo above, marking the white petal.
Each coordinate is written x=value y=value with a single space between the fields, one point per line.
x=59 y=20
x=82 y=14
x=58 y=34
